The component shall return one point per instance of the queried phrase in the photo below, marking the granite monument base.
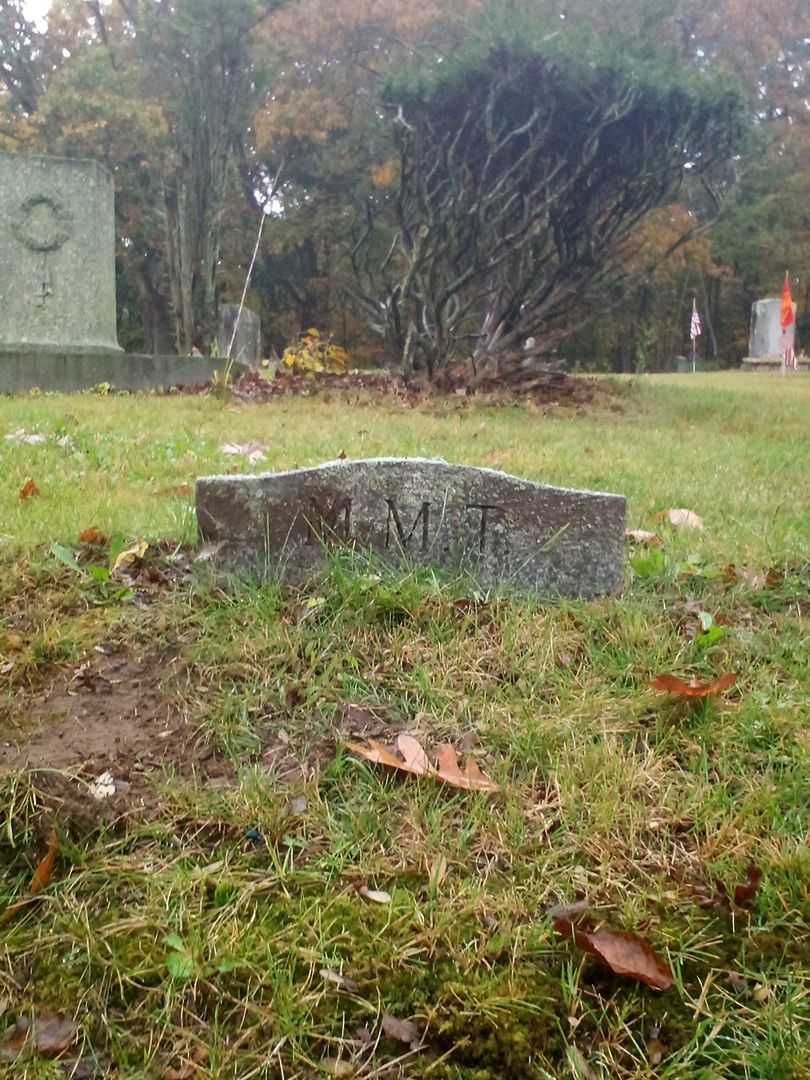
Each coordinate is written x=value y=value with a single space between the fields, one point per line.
x=71 y=370
x=771 y=363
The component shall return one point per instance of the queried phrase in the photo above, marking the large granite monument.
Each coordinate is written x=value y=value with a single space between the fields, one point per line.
x=57 y=270
x=502 y=530
x=57 y=285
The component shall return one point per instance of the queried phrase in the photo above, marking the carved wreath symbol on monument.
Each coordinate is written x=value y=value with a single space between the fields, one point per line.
x=43 y=224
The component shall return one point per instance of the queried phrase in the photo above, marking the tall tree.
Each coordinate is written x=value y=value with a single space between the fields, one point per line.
x=522 y=173
x=197 y=62
x=22 y=57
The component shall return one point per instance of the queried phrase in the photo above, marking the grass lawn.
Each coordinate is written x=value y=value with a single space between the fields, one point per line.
x=219 y=930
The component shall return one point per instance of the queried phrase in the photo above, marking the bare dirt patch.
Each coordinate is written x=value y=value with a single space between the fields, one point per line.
x=111 y=715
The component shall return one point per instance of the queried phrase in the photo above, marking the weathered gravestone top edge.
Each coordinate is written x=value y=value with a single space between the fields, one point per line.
x=349 y=463
x=499 y=529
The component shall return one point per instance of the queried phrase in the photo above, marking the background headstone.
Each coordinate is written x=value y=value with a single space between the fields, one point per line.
x=766 y=329
x=502 y=530
x=247 y=347
x=57 y=271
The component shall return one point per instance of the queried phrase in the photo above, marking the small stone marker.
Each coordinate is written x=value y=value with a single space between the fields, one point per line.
x=502 y=530
x=766 y=343
x=766 y=329
x=247 y=345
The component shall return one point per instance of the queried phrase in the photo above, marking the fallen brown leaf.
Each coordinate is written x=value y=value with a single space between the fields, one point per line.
x=745 y=894
x=624 y=953
x=413 y=754
x=695 y=688
x=29 y=490
x=93 y=536
x=471 y=779
x=88 y=1067
x=48 y=1035
x=655 y=1051
x=568 y=913
x=404 y=1031
x=253 y=451
x=185 y=1072
x=130 y=557
x=342 y=982
x=377 y=753
x=642 y=536
x=755 y=580
x=376 y=896
x=198 y=1057
x=41 y=879
x=681 y=519
x=414 y=760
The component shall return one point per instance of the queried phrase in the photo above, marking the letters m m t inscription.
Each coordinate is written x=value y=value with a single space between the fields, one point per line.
x=395 y=530
x=325 y=521
x=402 y=539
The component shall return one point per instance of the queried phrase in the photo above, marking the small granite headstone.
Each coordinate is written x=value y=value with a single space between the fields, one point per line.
x=766 y=329
x=57 y=271
x=767 y=342
x=502 y=530
x=247 y=344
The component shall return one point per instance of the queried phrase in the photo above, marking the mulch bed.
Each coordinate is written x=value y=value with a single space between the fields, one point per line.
x=547 y=389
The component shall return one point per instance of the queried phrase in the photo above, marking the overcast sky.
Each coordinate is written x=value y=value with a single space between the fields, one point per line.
x=35 y=8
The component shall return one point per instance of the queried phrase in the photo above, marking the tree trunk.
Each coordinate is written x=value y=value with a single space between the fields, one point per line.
x=156 y=315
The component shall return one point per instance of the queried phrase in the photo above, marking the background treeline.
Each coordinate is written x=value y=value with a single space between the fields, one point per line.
x=442 y=178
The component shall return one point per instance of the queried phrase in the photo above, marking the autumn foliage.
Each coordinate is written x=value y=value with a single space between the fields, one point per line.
x=319 y=110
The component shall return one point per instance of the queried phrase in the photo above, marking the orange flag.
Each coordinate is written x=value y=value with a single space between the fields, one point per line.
x=788 y=317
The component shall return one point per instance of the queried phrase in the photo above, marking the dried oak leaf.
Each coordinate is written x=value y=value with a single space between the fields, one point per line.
x=681 y=519
x=93 y=536
x=48 y=1035
x=129 y=558
x=413 y=754
x=414 y=760
x=745 y=894
x=695 y=688
x=376 y=896
x=404 y=1031
x=624 y=953
x=29 y=490
x=472 y=779
x=198 y=1058
x=643 y=536
x=342 y=982
x=656 y=1051
x=41 y=879
x=379 y=755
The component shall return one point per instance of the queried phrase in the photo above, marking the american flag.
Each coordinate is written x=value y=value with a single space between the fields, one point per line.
x=695 y=329
x=788 y=321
